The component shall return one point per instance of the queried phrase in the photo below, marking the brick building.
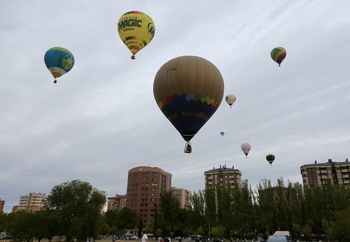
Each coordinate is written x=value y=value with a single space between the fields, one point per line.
x=183 y=195
x=144 y=187
x=116 y=203
x=2 y=205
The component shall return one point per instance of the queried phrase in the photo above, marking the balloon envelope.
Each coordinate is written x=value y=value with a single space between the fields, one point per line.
x=230 y=99
x=278 y=54
x=246 y=148
x=136 y=29
x=222 y=133
x=59 y=61
x=188 y=90
x=270 y=158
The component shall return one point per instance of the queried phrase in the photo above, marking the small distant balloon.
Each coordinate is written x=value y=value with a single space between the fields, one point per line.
x=59 y=61
x=270 y=158
x=136 y=29
x=278 y=54
x=230 y=99
x=222 y=133
x=246 y=148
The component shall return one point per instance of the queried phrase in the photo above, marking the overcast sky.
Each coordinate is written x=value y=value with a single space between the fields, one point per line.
x=101 y=119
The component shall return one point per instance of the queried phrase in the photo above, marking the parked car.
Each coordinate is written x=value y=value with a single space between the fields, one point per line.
x=215 y=239
x=258 y=238
x=196 y=237
x=177 y=238
x=277 y=238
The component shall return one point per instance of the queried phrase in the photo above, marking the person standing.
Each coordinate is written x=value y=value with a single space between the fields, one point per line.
x=144 y=236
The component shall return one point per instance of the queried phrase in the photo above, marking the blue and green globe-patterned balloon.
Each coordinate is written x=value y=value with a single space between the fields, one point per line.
x=59 y=61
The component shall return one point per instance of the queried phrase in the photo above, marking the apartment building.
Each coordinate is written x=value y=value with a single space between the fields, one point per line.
x=183 y=195
x=31 y=202
x=338 y=173
x=144 y=186
x=116 y=203
x=223 y=177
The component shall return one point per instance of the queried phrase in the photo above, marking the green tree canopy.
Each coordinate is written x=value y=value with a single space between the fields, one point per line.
x=77 y=206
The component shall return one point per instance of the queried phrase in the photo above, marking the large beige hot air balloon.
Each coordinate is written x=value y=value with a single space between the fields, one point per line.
x=188 y=90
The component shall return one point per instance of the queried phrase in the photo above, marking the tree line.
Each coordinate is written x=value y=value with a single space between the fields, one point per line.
x=73 y=211
x=242 y=212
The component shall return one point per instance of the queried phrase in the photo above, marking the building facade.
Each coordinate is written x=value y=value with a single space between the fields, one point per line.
x=338 y=173
x=144 y=186
x=31 y=202
x=2 y=205
x=183 y=195
x=223 y=177
x=116 y=203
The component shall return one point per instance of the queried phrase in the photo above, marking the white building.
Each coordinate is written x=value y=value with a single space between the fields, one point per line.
x=32 y=202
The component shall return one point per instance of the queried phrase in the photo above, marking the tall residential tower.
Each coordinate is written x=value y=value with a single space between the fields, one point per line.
x=145 y=184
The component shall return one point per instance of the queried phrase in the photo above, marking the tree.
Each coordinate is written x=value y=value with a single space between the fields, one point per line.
x=339 y=229
x=169 y=211
x=197 y=216
x=43 y=225
x=20 y=226
x=3 y=221
x=111 y=217
x=77 y=207
x=104 y=229
x=126 y=218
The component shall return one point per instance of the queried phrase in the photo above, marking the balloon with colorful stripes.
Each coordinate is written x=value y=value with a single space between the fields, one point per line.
x=278 y=54
x=188 y=90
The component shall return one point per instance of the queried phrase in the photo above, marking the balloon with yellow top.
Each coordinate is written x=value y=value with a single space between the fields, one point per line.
x=136 y=29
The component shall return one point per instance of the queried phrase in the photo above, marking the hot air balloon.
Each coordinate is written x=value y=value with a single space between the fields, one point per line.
x=188 y=90
x=222 y=133
x=246 y=148
x=230 y=99
x=278 y=54
x=270 y=158
x=136 y=29
x=59 y=61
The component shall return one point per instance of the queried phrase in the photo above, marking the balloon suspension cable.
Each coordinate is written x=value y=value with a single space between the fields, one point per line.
x=133 y=57
x=55 y=81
